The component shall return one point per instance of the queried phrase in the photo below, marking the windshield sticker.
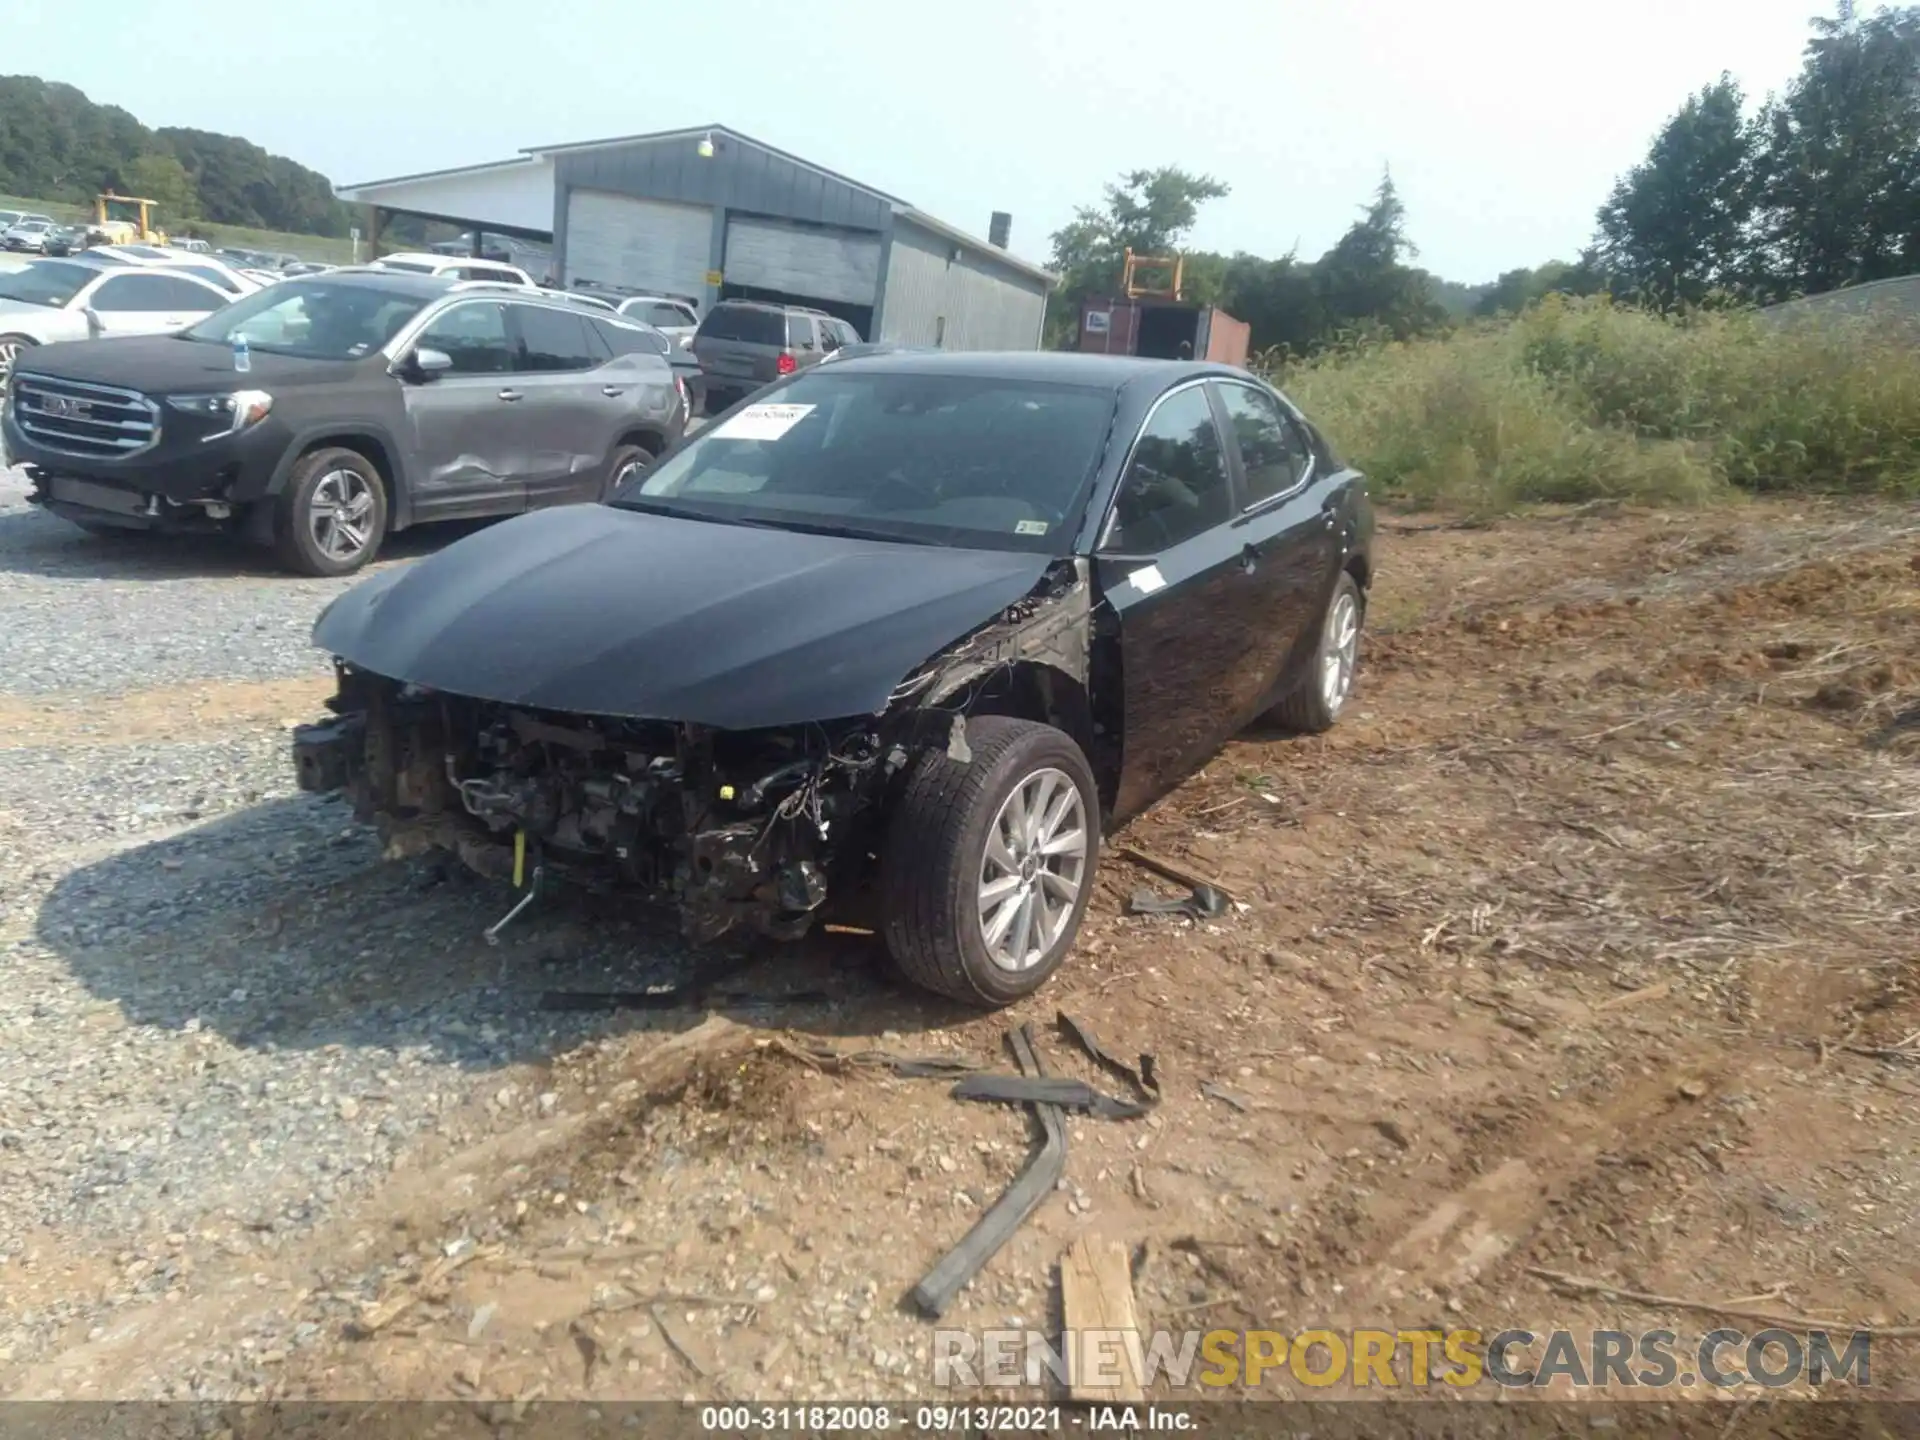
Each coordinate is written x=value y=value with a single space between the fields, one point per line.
x=764 y=422
x=1031 y=527
x=1147 y=579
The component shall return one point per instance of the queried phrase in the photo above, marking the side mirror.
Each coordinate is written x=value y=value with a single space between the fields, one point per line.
x=429 y=363
x=95 y=325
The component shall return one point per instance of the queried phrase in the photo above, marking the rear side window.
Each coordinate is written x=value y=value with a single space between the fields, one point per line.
x=746 y=323
x=1273 y=452
x=1176 y=486
x=625 y=340
x=800 y=332
x=553 y=340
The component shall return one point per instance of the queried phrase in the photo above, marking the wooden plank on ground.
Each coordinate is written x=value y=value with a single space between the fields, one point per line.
x=1096 y=1298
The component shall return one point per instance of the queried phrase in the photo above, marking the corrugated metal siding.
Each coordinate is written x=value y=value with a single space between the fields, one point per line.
x=739 y=177
x=984 y=306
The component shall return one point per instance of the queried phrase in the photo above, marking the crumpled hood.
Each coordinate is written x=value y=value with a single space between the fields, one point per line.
x=601 y=611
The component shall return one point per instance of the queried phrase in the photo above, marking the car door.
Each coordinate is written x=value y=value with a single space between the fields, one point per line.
x=468 y=440
x=572 y=407
x=1177 y=600
x=1288 y=532
x=142 y=302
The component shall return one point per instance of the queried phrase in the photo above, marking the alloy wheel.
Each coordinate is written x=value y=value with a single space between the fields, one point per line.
x=1342 y=651
x=341 y=514
x=1034 y=866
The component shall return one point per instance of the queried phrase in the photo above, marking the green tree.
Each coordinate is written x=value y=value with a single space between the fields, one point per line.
x=1677 y=226
x=163 y=180
x=1147 y=211
x=1363 y=282
x=1839 y=165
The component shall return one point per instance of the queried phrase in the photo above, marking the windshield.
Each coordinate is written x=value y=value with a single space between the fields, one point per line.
x=47 y=282
x=313 y=319
x=970 y=461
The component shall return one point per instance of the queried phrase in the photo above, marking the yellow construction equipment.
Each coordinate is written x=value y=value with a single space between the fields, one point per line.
x=1155 y=276
x=125 y=220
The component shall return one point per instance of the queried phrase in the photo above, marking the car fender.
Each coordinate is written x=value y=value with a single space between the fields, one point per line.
x=399 y=502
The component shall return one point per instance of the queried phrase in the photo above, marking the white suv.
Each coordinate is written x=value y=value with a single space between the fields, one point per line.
x=458 y=267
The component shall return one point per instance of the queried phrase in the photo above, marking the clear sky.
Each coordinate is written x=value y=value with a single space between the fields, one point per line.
x=1505 y=122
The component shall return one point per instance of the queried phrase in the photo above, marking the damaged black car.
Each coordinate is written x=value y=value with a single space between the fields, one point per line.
x=893 y=643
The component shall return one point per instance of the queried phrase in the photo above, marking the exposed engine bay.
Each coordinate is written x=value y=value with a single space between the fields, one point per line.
x=746 y=829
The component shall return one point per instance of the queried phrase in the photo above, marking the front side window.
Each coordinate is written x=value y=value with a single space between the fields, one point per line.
x=1273 y=452
x=136 y=294
x=1176 y=485
x=962 y=460
x=474 y=336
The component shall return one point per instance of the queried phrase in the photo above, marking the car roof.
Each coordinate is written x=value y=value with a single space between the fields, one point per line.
x=400 y=282
x=1060 y=367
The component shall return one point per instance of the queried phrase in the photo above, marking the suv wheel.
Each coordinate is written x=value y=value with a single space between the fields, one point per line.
x=10 y=348
x=1322 y=694
x=988 y=864
x=629 y=462
x=332 y=514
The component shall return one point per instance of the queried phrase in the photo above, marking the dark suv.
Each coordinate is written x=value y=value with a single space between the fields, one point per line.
x=371 y=401
x=745 y=344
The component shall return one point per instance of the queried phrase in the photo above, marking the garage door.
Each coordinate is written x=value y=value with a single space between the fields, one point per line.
x=647 y=247
x=804 y=260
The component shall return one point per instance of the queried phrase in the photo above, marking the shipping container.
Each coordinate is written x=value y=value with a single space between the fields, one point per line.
x=1163 y=330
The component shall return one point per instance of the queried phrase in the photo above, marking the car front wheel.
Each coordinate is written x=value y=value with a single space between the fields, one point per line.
x=332 y=514
x=988 y=862
x=1322 y=693
x=10 y=349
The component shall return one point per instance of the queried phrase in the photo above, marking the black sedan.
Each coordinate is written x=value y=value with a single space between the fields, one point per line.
x=896 y=640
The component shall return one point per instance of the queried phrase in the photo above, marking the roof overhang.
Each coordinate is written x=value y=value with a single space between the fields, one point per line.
x=514 y=195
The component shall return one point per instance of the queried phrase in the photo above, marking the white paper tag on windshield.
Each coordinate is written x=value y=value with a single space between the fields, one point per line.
x=1030 y=527
x=1146 y=579
x=763 y=422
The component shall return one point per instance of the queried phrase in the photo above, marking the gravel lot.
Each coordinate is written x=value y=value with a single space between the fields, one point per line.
x=220 y=1013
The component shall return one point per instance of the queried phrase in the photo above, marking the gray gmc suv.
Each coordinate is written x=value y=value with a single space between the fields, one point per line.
x=362 y=402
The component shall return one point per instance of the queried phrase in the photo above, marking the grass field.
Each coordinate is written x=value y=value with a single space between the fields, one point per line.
x=331 y=250
x=1585 y=400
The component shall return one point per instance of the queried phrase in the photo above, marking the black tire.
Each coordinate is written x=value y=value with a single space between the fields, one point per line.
x=624 y=458
x=1309 y=709
x=933 y=857
x=294 y=540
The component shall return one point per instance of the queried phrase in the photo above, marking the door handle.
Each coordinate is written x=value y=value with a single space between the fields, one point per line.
x=611 y=390
x=509 y=394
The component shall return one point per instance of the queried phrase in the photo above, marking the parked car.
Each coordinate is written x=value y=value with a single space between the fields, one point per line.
x=304 y=267
x=457 y=267
x=194 y=246
x=675 y=319
x=215 y=272
x=75 y=299
x=745 y=344
x=375 y=400
x=29 y=234
x=11 y=217
x=899 y=641
x=65 y=240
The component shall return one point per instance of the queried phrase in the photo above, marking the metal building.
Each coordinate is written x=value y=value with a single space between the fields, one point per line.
x=709 y=213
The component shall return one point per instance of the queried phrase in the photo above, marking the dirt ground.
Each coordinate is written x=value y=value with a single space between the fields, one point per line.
x=1588 y=943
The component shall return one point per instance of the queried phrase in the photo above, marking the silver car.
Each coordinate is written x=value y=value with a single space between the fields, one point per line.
x=75 y=299
x=675 y=319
